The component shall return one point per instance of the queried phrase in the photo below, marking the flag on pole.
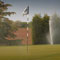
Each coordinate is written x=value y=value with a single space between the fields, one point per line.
x=26 y=11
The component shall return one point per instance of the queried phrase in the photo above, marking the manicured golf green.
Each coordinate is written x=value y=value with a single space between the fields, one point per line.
x=36 y=52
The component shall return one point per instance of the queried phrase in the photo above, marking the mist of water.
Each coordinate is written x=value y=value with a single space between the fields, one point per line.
x=54 y=27
x=50 y=30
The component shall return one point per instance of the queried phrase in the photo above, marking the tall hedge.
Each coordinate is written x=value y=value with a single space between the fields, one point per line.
x=40 y=27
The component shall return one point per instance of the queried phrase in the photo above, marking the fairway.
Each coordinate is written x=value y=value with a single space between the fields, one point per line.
x=36 y=52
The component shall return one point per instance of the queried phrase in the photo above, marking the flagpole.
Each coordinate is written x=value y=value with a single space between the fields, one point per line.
x=27 y=31
x=26 y=12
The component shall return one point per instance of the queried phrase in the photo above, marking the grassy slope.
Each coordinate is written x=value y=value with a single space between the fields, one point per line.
x=36 y=52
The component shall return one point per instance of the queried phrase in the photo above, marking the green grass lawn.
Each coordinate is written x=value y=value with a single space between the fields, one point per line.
x=36 y=52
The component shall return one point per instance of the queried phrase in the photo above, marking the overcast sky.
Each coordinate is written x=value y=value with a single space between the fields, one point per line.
x=35 y=6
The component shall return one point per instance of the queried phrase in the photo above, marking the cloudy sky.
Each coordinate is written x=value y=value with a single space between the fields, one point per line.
x=36 y=7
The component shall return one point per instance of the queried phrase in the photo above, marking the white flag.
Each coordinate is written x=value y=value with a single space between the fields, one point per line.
x=26 y=11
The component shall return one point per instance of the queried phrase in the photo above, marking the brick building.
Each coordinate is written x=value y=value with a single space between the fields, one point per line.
x=21 y=34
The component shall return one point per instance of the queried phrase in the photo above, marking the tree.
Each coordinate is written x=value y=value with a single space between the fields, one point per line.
x=3 y=8
x=23 y=24
x=45 y=28
x=35 y=28
x=20 y=24
x=6 y=27
x=40 y=26
x=30 y=24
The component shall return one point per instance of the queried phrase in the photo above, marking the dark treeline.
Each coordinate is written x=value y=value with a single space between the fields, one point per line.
x=40 y=28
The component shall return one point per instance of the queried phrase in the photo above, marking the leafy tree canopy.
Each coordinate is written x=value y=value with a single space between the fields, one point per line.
x=6 y=25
